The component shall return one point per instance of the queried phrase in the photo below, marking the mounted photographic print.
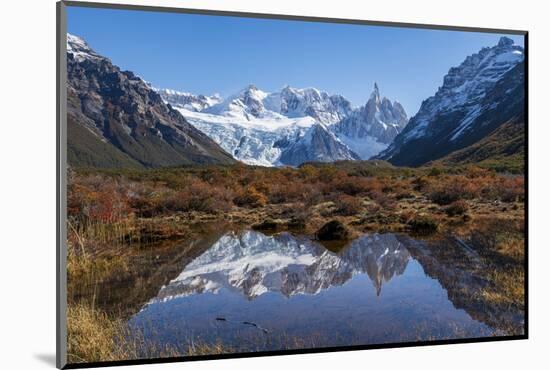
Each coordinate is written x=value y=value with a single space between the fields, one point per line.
x=235 y=184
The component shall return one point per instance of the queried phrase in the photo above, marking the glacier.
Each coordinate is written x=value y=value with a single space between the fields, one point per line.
x=271 y=129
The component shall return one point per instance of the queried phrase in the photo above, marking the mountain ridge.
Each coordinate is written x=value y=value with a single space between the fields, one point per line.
x=120 y=113
x=483 y=92
x=116 y=119
x=263 y=128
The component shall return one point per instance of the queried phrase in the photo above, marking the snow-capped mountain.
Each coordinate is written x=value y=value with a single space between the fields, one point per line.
x=293 y=126
x=80 y=50
x=247 y=104
x=476 y=97
x=115 y=119
x=318 y=144
x=252 y=264
x=196 y=103
x=255 y=141
x=310 y=102
x=369 y=129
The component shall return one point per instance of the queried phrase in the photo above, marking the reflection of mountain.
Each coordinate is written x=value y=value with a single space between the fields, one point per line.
x=125 y=293
x=464 y=275
x=252 y=264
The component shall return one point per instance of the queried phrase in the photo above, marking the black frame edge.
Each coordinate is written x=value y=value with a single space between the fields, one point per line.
x=61 y=166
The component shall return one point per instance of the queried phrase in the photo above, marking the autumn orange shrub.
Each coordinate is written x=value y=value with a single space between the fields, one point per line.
x=296 y=192
x=329 y=173
x=197 y=195
x=98 y=199
x=355 y=185
x=449 y=189
x=308 y=172
x=250 y=197
x=458 y=207
x=382 y=199
x=347 y=205
x=506 y=189
x=420 y=183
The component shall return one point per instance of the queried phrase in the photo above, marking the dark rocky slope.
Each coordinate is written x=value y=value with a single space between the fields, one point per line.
x=115 y=119
x=483 y=93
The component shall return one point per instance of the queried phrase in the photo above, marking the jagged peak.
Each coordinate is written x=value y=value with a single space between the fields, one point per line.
x=80 y=50
x=75 y=43
x=375 y=91
x=505 y=41
x=250 y=91
x=75 y=39
x=303 y=90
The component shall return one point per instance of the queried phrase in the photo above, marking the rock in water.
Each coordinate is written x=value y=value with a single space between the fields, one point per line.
x=333 y=230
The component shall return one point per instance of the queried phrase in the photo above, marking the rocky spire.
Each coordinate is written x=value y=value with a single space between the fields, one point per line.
x=375 y=93
x=505 y=41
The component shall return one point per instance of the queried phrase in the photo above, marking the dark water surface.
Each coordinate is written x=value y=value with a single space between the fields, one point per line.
x=251 y=291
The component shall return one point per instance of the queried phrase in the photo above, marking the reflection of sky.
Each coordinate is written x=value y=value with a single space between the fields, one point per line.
x=209 y=54
x=347 y=310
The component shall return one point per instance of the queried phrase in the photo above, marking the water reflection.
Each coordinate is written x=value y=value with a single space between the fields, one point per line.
x=463 y=273
x=252 y=264
x=252 y=291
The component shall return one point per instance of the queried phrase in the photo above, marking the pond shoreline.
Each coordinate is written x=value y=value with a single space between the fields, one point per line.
x=131 y=234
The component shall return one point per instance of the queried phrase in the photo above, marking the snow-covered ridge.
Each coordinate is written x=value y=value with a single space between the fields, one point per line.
x=262 y=128
x=80 y=49
x=467 y=84
x=188 y=101
x=286 y=127
x=253 y=264
x=469 y=102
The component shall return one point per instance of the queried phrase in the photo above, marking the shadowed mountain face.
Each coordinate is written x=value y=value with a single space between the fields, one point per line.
x=115 y=119
x=318 y=144
x=252 y=264
x=485 y=92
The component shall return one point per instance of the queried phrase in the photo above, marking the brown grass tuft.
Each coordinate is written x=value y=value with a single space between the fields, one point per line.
x=94 y=336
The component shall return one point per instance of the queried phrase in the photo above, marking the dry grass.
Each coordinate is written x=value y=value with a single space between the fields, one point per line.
x=94 y=336
x=94 y=267
x=508 y=286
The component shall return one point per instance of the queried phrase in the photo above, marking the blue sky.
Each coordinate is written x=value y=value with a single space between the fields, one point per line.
x=214 y=54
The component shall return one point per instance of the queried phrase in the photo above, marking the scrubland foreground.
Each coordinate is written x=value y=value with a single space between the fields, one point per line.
x=113 y=213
